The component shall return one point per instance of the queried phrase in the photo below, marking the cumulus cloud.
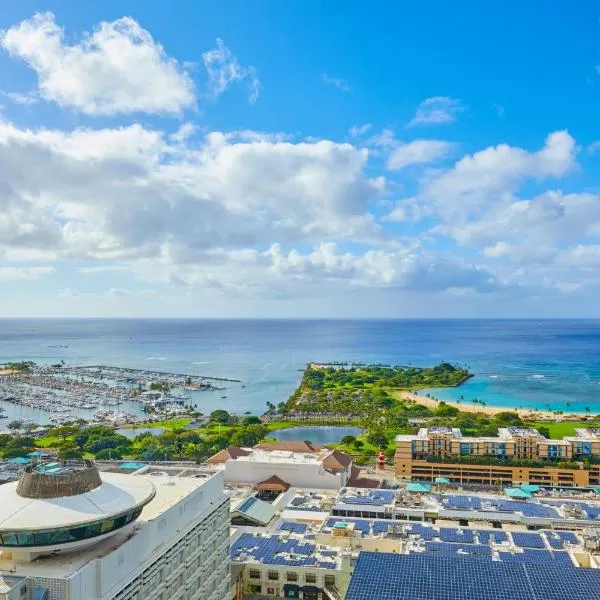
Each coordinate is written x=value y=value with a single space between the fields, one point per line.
x=118 y=68
x=224 y=69
x=290 y=271
x=493 y=175
x=418 y=152
x=128 y=193
x=438 y=110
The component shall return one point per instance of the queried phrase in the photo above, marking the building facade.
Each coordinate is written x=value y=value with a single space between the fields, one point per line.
x=428 y=455
x=175 y=548
x=323 y=469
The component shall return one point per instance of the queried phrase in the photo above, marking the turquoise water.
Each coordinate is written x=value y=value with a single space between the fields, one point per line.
x=516 y=362
x=316 y=434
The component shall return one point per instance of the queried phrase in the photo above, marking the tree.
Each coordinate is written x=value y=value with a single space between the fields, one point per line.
x=348 y=440
x=68 y=450
x=251 y=421
x=64 y=431
x=377 y=439
x=248 y=436
x=14 y=425
x=545 y=431
x=446 y=410
x=219 y=416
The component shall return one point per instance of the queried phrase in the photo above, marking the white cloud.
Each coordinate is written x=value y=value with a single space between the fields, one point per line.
x=385 y=139
x=118 y=68
x=128 y=194
x=23 y=273
x=290 y=272
x=358 y=130
x=341 y=84
x=438 y=110
x=24 y=99
x=224 y=69
x=497 y=250
x=418 y=152
x=494 y=174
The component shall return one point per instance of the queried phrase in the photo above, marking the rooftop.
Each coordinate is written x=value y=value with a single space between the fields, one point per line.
x=116 y=494
x=462 y=577
x=286 y=550
x=280 y=456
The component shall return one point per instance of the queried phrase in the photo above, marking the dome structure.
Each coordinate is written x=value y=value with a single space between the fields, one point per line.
x=58 y=507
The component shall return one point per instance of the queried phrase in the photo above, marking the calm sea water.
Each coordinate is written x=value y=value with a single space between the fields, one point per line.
x=517 y=363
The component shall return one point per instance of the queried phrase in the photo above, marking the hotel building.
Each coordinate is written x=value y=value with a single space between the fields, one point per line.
x=415 y=457
x=293 y=464
x=71 y=532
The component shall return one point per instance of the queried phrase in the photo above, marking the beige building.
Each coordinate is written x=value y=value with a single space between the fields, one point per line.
x=414 y=452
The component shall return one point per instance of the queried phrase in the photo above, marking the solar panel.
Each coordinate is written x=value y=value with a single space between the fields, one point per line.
x=295 y=527
x=246 y=504
x=527 y=540
x=427 y=576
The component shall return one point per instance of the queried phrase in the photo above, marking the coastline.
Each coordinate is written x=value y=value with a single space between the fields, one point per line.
x=526 y=414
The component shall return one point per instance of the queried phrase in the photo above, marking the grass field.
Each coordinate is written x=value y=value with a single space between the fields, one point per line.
x=178 y=423
x=560 y=430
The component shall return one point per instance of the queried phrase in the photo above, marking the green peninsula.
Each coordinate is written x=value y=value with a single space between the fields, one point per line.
x=354 y=389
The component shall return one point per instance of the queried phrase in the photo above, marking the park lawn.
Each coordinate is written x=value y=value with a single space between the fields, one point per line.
x=277 y=425
x=178 y=423
x=49 y=441
x=563 y=428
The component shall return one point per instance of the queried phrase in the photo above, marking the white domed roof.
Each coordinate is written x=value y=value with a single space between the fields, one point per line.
x=117 y=494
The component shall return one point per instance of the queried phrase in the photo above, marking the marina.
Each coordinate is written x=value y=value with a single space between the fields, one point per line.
x=60 y=394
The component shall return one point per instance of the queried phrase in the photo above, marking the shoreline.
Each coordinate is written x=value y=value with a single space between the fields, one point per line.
x=527 y=414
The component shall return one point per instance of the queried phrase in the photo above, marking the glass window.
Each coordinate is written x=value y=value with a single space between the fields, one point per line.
x=292 y=576
x=63 y=535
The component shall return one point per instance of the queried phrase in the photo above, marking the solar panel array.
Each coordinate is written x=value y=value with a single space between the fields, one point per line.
x=294 y=527
x=452 y=577
x=557 y=539
x=461 y=502
x=371 y=498
x=273 y=550
x=460 y=536
x=528 y=540
x=528 y=509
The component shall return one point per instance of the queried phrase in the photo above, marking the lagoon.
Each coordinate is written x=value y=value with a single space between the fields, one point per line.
x=317 y=434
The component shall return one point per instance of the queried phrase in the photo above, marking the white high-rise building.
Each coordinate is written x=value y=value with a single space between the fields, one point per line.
x=70 y=532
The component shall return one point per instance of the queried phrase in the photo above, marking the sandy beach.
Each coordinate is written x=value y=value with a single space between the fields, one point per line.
x=524 y=413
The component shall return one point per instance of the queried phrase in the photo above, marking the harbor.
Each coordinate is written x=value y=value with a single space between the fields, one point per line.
x=59 y=394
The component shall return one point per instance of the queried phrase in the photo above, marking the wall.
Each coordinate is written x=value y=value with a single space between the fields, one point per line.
x=104 y=577
x=307 y=475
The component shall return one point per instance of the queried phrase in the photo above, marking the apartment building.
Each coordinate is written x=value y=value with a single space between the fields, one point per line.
x=415 y=456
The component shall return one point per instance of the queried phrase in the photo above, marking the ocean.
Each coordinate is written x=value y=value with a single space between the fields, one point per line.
x=549 y=364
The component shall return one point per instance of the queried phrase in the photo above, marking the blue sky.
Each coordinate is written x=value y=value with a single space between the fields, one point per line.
x=299 y=159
